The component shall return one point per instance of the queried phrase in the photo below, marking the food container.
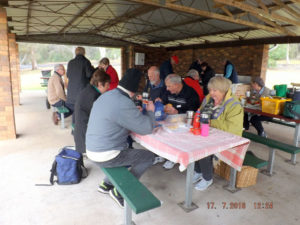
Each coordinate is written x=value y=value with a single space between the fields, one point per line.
x=273 y=105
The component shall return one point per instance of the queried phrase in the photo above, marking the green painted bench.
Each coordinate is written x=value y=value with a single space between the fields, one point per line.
x=289 y=124
x=136 y=196
x=62 y=110
x=254 y=161
x=273 y=144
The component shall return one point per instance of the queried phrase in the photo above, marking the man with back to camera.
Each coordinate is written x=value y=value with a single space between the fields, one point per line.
x=113 y=116
x=79 y=73
x=166 y=67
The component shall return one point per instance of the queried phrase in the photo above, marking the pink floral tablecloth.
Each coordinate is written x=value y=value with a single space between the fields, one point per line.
x=185 y=147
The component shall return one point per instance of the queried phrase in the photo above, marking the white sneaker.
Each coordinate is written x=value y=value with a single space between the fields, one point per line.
x=168 y=165
x=197 y=177
x=203 y=184
x=158 y=159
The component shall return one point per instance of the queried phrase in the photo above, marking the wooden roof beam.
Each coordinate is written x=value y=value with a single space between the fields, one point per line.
x=287 y=8
x=207 y=14
x=28 y=16
x=254 y=10
x=263 y=6
x=81 y=13
x=125 y=17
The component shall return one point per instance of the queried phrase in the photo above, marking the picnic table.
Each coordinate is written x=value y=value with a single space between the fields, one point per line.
x=285 y=121
x=185 y=148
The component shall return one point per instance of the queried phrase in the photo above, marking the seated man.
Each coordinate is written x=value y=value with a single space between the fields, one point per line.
x=192 y=80
x=113 y=116
x=155 y=86
x=56 y=92
x=258 y=89
x=180 y=98
x=99 y=84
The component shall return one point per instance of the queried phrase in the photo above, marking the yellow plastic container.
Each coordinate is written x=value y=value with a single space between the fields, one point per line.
x=274 y=105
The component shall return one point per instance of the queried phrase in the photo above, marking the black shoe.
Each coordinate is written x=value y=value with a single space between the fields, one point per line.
x=117 y=197
x=105 y=187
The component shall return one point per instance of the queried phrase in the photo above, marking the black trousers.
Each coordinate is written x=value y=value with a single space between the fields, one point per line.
x=205 y=166
x=256 y=122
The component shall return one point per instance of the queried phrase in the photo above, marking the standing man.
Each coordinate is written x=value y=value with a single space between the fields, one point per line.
x=79 y=73
x=196 y=65
x=166 y=67
x=206 y=74
x=56 y=92
x=155 y=86
x=113 y=116
x=230 y=72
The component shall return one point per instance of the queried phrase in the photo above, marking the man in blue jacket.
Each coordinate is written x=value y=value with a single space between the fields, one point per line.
x=113 y=116
x=230 y=72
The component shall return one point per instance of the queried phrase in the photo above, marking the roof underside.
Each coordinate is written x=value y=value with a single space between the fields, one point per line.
x=167 y=23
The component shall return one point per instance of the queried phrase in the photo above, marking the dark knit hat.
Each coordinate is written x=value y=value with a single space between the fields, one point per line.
x=131 y=79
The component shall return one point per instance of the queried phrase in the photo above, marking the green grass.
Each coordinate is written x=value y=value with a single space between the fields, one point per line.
x=30 y=80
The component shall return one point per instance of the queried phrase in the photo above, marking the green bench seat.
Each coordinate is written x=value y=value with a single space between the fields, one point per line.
x=273 y=144
x=137 y=197
x=62 y=110
x=252 y=160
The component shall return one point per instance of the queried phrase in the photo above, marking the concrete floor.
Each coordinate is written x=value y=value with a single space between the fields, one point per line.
x=26 y=161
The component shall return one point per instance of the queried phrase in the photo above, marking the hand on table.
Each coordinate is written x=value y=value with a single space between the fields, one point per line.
x=150 y=106
x=169 y=109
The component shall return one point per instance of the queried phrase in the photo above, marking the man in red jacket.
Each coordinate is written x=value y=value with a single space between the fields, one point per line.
x=192 y=80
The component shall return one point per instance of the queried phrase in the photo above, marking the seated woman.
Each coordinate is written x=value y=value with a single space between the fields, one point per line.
x=258 y=89
x=98 y=85
x=226 y=113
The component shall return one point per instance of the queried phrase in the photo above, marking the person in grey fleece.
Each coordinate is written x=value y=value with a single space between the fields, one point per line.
x=113 y=116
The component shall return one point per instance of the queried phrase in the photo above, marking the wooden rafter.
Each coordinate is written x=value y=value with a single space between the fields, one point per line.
x=287 y=8
x=79 y=14
x=296 y=1
x=125 y=17
x=28 y=16
x=262 y=5
x=205 y=35
x=254 y=10
x=212 y=15
x=226 y=11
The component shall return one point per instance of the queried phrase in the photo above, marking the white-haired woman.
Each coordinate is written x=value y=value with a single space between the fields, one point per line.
x=226 y=113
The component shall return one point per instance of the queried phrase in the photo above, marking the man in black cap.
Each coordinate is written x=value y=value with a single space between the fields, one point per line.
x=113 y=116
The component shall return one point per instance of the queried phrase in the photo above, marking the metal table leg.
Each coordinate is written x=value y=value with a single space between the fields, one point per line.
x=231 y=186
x=296 y=142
x=269 y=170
x=188 y=205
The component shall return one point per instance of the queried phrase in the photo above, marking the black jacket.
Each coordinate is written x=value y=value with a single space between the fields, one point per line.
x=83 y=107
x=186 y=99
x=79 y=73
x=165 y=69
x=196 y=66
x=206 y=76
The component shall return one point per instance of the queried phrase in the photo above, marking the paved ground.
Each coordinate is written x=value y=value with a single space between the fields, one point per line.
x=26 y=161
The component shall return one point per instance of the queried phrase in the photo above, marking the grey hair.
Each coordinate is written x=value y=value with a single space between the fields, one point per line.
x=173 y=78
x=193 y=73
x=221 y=84
x=57 y=66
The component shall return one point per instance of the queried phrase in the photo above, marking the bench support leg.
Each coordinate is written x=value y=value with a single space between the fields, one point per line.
x=231 y=186
x=269 y=170
x=296 y=142
x=62 y=117
x=188 y=205
x=127 y=214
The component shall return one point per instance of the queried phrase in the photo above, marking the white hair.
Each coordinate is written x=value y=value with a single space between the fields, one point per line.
x=173 y=78
x=58 y=66
x=193 y=73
